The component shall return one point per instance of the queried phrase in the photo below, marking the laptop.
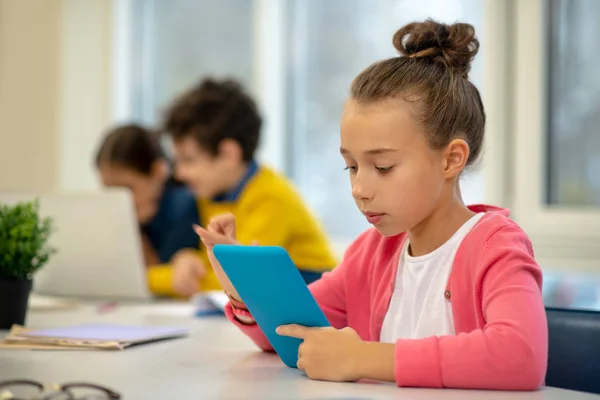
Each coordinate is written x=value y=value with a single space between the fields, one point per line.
x=99 y=250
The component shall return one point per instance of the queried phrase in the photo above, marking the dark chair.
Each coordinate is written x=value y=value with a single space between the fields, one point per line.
x=574 y=349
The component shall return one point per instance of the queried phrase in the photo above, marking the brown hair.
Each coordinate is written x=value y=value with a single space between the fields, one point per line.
x=432 y=74
x=130 y=146
x=213 y=111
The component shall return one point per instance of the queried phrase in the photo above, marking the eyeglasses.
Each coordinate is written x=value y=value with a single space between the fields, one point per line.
x=24 y=389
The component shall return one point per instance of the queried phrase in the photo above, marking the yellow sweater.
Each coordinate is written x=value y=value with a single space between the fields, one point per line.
x=269 y=210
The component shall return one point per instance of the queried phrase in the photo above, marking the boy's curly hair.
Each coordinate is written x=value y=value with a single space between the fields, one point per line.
x=212 y=111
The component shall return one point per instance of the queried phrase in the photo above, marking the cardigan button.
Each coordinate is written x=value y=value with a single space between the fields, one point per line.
x=447 y=294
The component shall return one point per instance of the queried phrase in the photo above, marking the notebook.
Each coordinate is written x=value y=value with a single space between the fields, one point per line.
x=97 y=336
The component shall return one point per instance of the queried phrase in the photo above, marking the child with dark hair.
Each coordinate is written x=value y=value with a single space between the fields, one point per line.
x=131 y=156
x=215 y=128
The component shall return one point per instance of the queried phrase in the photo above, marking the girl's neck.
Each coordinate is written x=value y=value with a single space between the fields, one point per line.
x=436 y=229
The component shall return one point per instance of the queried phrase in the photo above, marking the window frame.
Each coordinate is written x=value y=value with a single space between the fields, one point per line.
x=563 y=236
x=269 y=80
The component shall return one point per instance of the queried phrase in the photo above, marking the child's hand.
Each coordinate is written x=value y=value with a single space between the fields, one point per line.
x=224 y=225
x=326 y=354
x=188 y=269
x=221 y=230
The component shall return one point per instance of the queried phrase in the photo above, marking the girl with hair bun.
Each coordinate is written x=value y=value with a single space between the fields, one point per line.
x=438 y=293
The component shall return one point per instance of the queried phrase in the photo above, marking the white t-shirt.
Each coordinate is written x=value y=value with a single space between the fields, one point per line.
x=419 y=308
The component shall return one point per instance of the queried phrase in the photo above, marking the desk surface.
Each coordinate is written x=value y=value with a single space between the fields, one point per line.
x=214 y=362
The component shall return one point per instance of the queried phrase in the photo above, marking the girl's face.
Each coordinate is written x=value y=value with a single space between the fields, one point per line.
x=146 y=189
x=397 y=179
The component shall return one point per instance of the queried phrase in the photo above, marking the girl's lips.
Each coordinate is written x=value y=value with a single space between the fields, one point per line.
x=373 y=218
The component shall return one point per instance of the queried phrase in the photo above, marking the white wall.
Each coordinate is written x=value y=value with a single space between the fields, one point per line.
x=86 y=87
x=55 y=87
x=29 y=93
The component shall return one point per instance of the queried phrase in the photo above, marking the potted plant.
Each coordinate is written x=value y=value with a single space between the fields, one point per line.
x=23 y=250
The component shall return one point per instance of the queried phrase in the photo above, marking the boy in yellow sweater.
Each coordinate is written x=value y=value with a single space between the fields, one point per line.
x=215 y=129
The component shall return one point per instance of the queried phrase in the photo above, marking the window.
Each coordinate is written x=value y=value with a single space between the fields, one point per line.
x=163 y=48
x=177 y=42
x=574 y=103
x=298 y=57
x=556 y=149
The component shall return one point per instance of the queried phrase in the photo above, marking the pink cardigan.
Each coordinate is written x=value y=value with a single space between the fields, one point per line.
x=501 y=339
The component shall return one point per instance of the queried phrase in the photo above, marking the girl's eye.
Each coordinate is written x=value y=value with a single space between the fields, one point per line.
x=351 y=168
x=384 y=170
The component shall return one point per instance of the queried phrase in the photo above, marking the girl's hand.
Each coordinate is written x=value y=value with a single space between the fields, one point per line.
x=326 y=354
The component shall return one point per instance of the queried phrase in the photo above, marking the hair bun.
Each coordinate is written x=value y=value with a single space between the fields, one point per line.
x=452 y=45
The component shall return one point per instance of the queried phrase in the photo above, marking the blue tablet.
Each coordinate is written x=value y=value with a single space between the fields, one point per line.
x=274 y=292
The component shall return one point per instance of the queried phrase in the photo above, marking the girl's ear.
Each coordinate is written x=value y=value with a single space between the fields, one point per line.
x=456 y=155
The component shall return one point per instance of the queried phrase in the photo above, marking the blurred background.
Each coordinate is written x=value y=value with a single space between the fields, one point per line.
x=70 y=69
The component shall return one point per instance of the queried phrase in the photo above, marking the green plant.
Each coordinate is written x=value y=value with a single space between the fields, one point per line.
x=23 y=240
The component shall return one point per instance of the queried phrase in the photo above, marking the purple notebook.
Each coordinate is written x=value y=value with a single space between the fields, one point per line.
x=115 y=333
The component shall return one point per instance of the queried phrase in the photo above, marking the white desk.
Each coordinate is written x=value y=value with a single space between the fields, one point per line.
x=215 y=362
